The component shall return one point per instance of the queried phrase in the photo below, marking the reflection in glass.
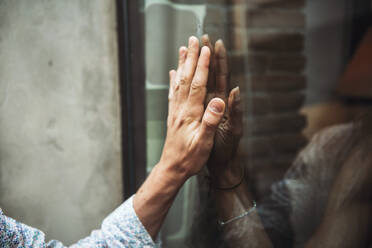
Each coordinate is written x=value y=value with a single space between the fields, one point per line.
x=287 y=58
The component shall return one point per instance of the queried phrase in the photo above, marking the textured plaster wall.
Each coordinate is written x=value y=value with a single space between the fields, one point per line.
x=60 y=164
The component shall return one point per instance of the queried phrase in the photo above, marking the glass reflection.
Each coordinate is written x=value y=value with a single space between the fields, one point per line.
x=297 y=148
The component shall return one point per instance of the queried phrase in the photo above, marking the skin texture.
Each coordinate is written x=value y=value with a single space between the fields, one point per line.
x=347 y=221
x=230 y=129
x=200 y=131
x=224 y=169
x=190 y=135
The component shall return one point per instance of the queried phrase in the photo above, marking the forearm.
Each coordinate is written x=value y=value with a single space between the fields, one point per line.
x=246 y=231
x=153 y=200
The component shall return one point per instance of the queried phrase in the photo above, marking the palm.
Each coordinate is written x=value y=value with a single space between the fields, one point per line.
x=229 y=131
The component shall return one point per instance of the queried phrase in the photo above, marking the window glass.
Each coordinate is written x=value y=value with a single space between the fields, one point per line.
x=302 y=70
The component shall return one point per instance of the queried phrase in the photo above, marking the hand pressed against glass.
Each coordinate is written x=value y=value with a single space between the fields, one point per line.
x=191 y=130
x=190 y=135
x=230 y=129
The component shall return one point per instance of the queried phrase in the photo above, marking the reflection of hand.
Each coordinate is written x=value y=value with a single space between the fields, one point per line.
x=190 y=129
x=230 y=129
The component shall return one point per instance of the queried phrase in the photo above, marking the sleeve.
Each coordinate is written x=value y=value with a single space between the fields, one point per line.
x=295 y=207
x=122 y=228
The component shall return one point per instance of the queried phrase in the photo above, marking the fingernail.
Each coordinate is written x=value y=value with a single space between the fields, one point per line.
x=237 y=90
x=182 y=50
x=205 y=49
x=192 y=40
x=216 y=107
x=237 y=93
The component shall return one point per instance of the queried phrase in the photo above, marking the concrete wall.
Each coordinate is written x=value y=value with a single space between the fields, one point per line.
x=60 y=163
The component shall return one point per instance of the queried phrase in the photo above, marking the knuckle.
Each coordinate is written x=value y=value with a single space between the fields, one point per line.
x=173 y=119
x=179 y=121
x=196 y=85
x=184 y=80
x=209 y=124
x=206 y=65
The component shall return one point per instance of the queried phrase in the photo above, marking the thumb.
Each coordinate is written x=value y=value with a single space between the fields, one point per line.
x=235 y=112
x=211 y=118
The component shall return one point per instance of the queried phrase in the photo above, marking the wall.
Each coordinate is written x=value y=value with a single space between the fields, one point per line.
x=60 y=163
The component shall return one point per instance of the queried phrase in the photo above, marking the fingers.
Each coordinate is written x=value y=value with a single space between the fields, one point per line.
x=222 y=70
x=212 y=65
x=172 y=77
x=198 y=89
x=212 y=117
x=235 y=111
x=182 y=54
x=188 y=69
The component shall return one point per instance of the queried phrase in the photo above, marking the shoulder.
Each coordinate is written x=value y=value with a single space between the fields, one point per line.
x=323 y=153
x=328 y=143
x=332 y=134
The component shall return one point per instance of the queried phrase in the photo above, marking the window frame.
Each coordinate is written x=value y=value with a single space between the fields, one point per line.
x=130 y=30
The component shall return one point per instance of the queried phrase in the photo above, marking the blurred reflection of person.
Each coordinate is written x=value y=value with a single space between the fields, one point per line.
x=191 y=129
x=324 y=200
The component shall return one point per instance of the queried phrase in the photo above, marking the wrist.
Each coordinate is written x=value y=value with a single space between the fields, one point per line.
x=154 y=198
x=171 y=173
x=228 y=174
x=162 y=184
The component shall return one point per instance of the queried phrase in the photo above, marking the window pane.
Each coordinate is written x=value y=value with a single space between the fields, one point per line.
x=289 y=58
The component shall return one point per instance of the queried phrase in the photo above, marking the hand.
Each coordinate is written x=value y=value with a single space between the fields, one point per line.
x=189 y=141
x=191 y=130
x=230 y=129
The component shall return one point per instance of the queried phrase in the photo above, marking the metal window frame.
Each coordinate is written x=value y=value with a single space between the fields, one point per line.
x=130 y=28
